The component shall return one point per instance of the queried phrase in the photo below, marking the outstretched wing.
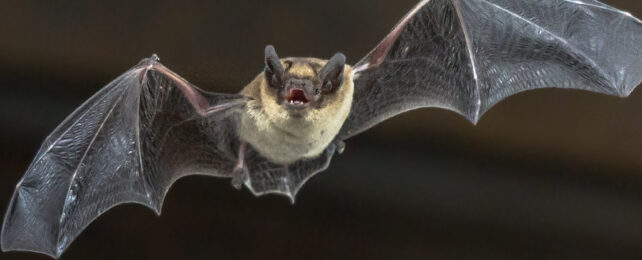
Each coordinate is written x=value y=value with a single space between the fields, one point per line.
x=467 y=55
x=126 y=144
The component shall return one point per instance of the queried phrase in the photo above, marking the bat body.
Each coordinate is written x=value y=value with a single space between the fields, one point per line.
x=149 y=127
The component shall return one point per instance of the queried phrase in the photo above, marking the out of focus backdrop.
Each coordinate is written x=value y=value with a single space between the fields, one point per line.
x=547 y=174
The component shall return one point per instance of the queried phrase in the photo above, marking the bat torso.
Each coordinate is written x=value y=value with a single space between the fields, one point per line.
x=283 y=138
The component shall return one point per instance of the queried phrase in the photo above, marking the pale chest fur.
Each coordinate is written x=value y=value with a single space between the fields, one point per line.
x=284 y=139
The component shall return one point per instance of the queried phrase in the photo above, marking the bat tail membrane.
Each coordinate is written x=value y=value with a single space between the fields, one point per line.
x=286 y=180
x=467 y=56
x=127 y=144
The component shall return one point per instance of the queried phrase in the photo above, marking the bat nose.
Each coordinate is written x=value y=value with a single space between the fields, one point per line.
x=295 y=83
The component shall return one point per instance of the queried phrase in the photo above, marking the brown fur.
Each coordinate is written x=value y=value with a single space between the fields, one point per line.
x=283 y=138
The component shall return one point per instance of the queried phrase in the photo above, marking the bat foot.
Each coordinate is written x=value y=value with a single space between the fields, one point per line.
x=239 y=177
x=341 y=146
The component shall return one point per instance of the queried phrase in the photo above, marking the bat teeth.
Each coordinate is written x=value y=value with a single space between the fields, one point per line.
x=296 y=102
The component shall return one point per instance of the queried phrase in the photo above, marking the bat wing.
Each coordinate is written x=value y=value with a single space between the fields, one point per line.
x=467 y=55
x=126 y=144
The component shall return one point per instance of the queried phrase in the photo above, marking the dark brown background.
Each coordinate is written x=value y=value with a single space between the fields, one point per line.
x=547 y=174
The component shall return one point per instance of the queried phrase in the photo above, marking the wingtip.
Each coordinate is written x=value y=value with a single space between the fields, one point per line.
x=472 y=118
x=627 y=90
x=59 y=253
x=292 y=198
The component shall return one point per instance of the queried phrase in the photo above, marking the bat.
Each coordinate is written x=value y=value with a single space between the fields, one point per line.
x=149 y=127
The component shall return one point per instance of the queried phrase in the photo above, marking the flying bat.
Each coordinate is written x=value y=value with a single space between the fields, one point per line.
x=149 y=127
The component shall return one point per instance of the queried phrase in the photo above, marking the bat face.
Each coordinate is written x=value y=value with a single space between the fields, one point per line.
x=299 y=85
x=299 y=88
x=298 y=106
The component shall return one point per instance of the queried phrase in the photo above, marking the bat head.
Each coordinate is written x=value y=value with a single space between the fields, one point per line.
x=303 y=84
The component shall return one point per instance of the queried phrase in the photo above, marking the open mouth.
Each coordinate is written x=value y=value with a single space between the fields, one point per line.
x=296 y=97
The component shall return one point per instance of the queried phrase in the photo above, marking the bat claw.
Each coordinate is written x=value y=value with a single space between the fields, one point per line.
x=239 y=177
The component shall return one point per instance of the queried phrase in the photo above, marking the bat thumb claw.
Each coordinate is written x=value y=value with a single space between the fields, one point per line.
x=149 y=61
x=154 y=57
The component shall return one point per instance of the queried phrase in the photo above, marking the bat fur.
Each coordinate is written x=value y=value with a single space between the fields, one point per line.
x=282 y=137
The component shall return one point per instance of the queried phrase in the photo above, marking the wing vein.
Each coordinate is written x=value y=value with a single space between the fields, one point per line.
x=75 y=121
x=557 y=37
x=82 y=159
x=138 y=143
x=469 y=48
x=606 y=8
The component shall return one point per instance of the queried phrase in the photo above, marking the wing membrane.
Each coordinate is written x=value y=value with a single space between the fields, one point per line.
x=126 y=144
x=467 y=55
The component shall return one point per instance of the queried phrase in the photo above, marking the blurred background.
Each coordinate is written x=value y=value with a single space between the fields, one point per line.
x=548 y=174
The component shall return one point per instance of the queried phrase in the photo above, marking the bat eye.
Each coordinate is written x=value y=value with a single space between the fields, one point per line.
x=317 y=91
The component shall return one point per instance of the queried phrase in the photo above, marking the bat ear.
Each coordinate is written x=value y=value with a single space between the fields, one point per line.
x=273 y=67
x=332 y=72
